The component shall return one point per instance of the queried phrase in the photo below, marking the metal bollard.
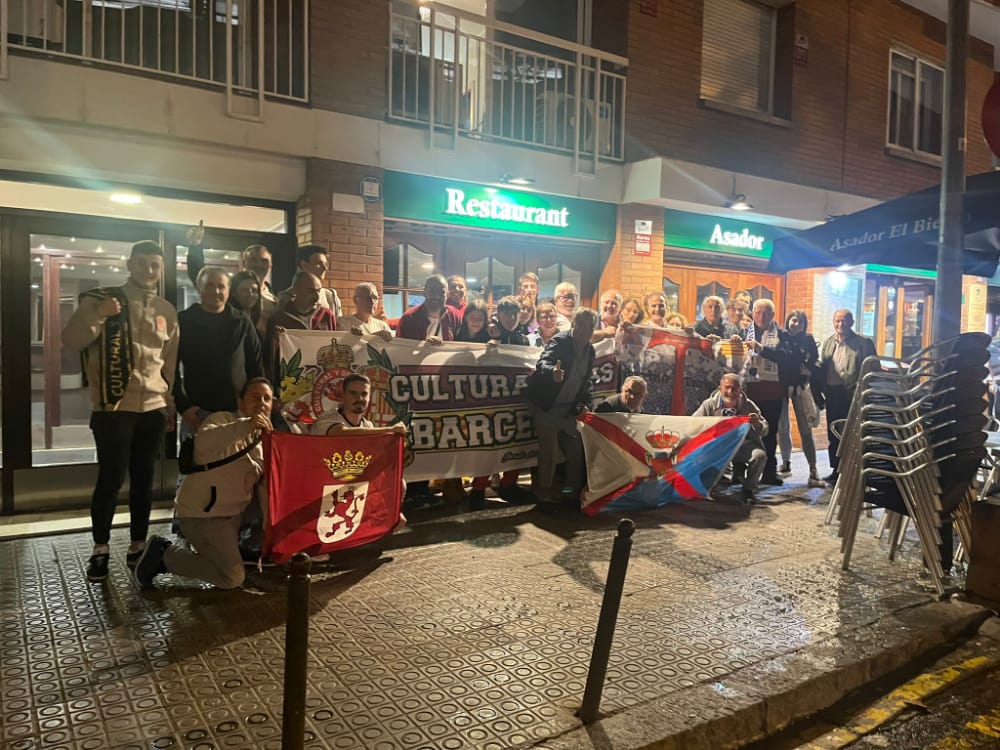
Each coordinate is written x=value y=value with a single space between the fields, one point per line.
x=293 y=711
x=606 y=621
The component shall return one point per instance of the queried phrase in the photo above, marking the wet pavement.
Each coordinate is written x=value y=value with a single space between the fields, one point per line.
x=468 y=630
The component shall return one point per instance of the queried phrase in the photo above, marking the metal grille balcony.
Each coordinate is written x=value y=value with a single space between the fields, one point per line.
x=238 y=44
x=452 y=70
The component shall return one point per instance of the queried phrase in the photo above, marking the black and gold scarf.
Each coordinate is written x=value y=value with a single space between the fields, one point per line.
x=114 y=347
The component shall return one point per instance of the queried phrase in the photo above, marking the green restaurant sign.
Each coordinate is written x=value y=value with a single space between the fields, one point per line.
x=434 y=200
x=719 y=233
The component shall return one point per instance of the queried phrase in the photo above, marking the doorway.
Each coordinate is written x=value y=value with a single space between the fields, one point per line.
x=900 y=311
x=49 y=459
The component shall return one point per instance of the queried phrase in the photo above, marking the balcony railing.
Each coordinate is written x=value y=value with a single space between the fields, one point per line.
x=451 y=70
x=238 y=44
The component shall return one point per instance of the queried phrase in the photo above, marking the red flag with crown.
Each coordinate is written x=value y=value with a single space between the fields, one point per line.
x=330 y=492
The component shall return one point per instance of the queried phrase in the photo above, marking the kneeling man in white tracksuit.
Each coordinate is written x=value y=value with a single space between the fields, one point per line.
x=210 y=503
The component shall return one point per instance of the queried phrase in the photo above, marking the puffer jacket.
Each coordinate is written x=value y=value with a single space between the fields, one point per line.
x=155 y=337
x=227 y=489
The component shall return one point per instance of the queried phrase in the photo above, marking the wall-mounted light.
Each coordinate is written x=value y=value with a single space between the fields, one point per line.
x=737 y=201
x=508 y=179
x=128 y=199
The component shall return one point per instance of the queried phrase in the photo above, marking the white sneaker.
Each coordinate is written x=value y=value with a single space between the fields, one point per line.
x=814 y=480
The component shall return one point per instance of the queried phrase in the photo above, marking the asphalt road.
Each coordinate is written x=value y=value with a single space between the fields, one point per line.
x=966 y=717
x=949 y=700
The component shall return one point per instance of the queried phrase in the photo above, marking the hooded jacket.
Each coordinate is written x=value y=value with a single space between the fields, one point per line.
x=154 y=341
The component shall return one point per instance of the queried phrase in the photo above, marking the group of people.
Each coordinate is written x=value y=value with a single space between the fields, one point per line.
x=214 y=363
x=213 y=366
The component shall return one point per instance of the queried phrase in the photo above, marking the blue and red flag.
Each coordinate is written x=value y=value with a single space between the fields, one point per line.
x=641 y=461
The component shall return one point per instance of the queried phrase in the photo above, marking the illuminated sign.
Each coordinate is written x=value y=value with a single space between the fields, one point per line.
x=432 y=200
x=719 y=234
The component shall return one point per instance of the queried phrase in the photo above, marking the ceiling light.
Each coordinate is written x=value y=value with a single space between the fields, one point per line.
x=129 y=199
x=100 y=249
x=427 y=266
x=508 y=179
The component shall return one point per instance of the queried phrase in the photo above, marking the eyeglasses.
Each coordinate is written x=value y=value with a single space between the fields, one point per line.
x=568 y=296
x=543 y=316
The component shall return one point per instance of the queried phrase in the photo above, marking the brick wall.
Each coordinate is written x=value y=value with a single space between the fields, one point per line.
x=354 y=241
x=836 y=139
x=349 y=50
x=634 y=275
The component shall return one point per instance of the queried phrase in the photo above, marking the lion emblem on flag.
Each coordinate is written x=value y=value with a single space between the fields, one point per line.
x=343 y=503
x=342 y=510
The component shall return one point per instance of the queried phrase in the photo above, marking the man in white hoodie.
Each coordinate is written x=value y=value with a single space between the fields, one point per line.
x=210 y=504
x=128 y=336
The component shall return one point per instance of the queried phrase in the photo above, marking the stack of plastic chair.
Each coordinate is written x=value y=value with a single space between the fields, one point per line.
x=912 y=444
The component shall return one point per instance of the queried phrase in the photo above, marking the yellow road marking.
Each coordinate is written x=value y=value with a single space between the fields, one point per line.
x=988 y=724
x=916 y=691
x=952 y=743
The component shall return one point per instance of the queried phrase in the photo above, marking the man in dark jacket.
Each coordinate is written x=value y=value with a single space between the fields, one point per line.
x=503 y=328
x=629 y=401
x=559 y=390
x=713 y=324
x=839 y=372
x=219 y=352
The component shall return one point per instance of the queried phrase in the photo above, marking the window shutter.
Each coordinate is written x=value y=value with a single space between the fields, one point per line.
x=736 y=53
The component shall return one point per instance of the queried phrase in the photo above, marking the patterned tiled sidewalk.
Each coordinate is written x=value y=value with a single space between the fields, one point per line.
x=465 y=631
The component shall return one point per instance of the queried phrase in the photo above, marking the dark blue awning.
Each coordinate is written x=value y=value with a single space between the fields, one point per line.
x=901 y=232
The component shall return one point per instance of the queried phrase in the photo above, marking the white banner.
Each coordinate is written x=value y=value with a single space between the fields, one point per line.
x=461 y=402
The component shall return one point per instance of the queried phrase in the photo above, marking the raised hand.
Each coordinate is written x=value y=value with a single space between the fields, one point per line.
x=557 y=374
x=109 y=307
x=196 y=235
x=261 y=422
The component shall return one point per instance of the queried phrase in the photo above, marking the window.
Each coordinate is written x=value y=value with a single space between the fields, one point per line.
x=406 y=268
x=489 y=279
x=746 y=56
x=916 y=103
x=549 y=277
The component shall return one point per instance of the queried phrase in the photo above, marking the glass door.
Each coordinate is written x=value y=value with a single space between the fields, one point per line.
x=64 y=267
x=903 y=315
x=49 y=459
x=48 y=260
